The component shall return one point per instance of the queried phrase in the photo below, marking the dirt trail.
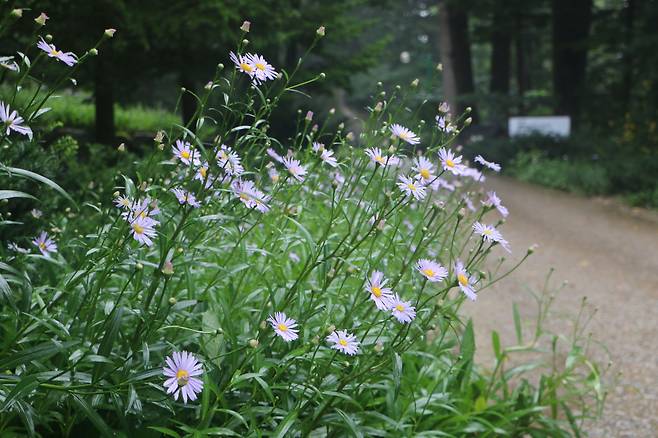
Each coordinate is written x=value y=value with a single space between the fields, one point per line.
x=606 y=252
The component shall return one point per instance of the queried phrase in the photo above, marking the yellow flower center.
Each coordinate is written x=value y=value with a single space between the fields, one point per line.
x=282 y=327
x=399 y=308
x=425 y=173
x=260 y=66
x=185 y=154
x=275 y=178
x=403 y=135
x=42 y=245
x=412 y=187
x=450 y=163
x=379 y=159
x=429 y=272
x=487 y=232
x=55 y=52
x=138 y=229
x=203 y=171
x=377 y=291
x=125 y=202
x=463 y=280
x=343 y=342
x=244 y=196
x=246 y=67
x=182 y=377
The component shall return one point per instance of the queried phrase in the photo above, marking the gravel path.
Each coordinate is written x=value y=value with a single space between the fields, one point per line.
x=607 y=252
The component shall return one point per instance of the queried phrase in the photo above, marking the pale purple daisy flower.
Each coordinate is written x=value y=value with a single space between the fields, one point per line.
x=45 y=244
x=182 y=369
x=295 y=168
x=490 y=164
x=146 y=208
x=263 y=71
x=123 y=202
x=404 y=134
x=13 y=122
x=67 y=58
x=284 y=326
x=433 y=271
x=402 y=310
x=344 y=342
x=444 y=107
x=464 y=281
x=294 y=257
x=184 y=151
x=185 y=197
x=424 y=169
x=378 y=157
x=12 y=246
x=272 y=153
x=229 y=161
x=411 y=187
x=439 y=183
x=493 y=201
x=143 y=230
x=380 y=294
x=490 y=234
x=473 y=173
x=444 y=124
x=9 y=63
x=317 y=147
x=250 y=196
x=338 y=179
x=203 y=174
x=274 y=175
x=243 y=64
x=327 y=157
x=450 y=162
x=468 y=202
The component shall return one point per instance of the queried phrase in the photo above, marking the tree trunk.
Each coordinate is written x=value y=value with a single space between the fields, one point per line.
x=104 y=96
x=571 y=23
x=455 y=49
x=522 y=74
x=500 y=55
x=629 y=20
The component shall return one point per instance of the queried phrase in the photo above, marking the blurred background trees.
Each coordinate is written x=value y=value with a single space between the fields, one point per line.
x=594 y=60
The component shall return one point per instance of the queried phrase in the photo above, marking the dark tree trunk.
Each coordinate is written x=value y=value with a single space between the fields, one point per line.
x=458 y=48
x=500 y=55
x=104 y=96
x=188 y=101
x=629 y=20
x=571 y=23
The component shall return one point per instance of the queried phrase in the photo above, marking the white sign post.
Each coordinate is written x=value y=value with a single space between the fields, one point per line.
x=558 y=126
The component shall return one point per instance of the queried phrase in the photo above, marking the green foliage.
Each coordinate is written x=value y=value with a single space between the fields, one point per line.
x=86 y=328
x=590 y=178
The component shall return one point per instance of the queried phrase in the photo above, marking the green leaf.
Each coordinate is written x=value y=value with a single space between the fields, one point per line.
x=93 y=416
x=105 y=348
x=42 y=179
x=517 y=324
x=24 y=387
x=165 y=431
x=285 y=425
x=349 y=422
x=40 y=351
x=8 y=194
x=495 y=341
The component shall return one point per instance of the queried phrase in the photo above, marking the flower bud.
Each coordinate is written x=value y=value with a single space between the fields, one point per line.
x=341 y=126
x=461 y=213
x=315 y=128
x=350 y=136
x=253 y=343
x=331 y=329
x=48 y=38
x=245 y=26
x=41 y=19
x=220 y=66
x=439 y=67
x=468 y=109
x=180 y=250
x=332 y=111
x=392 y=149
x=415 y=82
x=139 y=266
x=322 y=76
x=161 y=146
x=379 y=346
x=468 y=121
x=315 y=340
x=245 y=41
x=172 y=301
x=320 y=31
x=93 y=51
x=378 y=107
x=533 y=248
x=116 y=194
x=159 y=136
x=208 y=86
x=110 y=32
x=17 y=13
x=309 y=116
x=168 y=268
x=263 y=325
x=121 y=147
